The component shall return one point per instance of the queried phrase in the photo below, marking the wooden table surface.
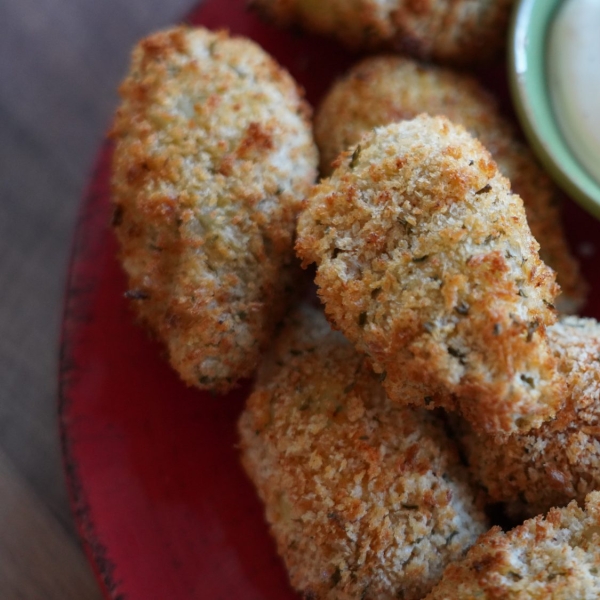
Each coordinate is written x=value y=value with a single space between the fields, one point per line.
x=60 y=65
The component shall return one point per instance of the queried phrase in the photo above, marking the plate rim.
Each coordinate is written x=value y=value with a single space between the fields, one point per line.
x=94 y=550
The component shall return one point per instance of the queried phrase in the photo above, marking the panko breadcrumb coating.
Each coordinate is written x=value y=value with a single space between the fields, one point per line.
x=213 y=154
x=552 y=558
x=384 y=89
x=426 y=263
x=365 y=499
x=560 y=461
x=453 y=31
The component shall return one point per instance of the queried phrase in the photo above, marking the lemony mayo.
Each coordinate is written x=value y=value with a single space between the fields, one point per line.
x=574 y=78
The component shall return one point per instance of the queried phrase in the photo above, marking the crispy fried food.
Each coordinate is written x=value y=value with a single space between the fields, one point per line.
x=426 y=263
x=365 y=498
x=385 y=89
x=560 y=461
x=452 y=31
x=213 y=154
x=552 y=558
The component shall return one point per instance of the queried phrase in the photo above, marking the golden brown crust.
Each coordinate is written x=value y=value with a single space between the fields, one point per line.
x=449 y=31
x=560 y=461
x=213 y=154
x=365 y=498
x=385 y=89
x=552 y=558
x=426 y=263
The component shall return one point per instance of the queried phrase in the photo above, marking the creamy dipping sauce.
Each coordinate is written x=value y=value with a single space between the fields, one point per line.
x=574 y=78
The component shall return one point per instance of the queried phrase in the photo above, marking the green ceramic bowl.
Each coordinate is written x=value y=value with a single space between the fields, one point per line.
x=527 y=72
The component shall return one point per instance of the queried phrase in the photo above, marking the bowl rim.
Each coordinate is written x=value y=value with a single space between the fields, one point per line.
x=528 y=34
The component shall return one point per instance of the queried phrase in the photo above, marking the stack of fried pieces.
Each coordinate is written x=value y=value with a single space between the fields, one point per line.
x=440 y=375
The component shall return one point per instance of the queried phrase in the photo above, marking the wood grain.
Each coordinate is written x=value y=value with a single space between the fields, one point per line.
x=60 y=64
x=38 y=560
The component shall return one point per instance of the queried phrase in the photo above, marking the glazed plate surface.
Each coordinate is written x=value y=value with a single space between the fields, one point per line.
x=160 y=500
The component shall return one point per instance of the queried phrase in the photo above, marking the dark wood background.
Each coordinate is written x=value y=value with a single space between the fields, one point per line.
x=60 y=65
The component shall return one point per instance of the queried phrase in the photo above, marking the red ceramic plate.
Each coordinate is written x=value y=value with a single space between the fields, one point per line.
x=163 y=507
